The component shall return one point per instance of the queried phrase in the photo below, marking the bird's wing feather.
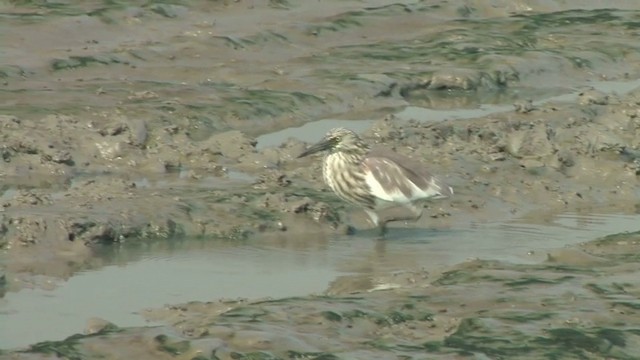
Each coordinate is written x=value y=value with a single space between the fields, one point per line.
x=386 y=180
x=397 y=177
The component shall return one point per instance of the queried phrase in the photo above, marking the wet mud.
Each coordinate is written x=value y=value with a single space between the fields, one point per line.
x=141 y=122
x=578 y=304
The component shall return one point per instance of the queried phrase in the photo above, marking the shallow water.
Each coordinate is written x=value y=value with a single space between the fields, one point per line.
x=143 y=277
x=192 y=270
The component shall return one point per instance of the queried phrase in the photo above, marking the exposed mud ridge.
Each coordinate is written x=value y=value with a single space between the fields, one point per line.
x=90 y=197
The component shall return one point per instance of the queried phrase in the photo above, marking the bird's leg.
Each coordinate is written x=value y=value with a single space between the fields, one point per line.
x=415 y=215
x=382 y=227
x=373 y=216
x=416 y=210
x=381 y=224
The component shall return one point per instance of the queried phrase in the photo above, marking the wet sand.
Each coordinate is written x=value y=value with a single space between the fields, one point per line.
x=129 y=129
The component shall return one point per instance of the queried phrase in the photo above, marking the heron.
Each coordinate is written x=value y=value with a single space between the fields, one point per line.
x=376 y=178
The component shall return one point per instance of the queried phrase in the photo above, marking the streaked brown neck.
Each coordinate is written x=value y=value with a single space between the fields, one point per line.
x=353 y=154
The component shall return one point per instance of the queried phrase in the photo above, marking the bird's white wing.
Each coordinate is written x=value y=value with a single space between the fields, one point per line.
x=392 y=177
x=387 y=181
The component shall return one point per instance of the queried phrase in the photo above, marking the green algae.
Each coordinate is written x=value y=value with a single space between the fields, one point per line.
x=257 y=355
x=260 y=39
x=69 y=347
x=611 y=289
x=617 y=239
x=532 y=280
x=73 y=62
x=296 y=355
x=469 y=45
x=332 y=316
x=526 y=316
x=244 y=314
x=172 y=347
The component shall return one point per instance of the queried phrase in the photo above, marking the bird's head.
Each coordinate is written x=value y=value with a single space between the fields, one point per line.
x=338 y=140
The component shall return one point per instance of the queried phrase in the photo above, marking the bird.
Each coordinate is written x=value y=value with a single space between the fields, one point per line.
x=375 y=178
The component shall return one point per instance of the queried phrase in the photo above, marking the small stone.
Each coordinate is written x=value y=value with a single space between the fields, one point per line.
x=460 y=79
x=111 y=150
x=62 y=157
x=143 y=95
x=593 y=96
x=138 y=132
x=531 y=164
x=523 y=107
x=96 y=325
x=281 y=226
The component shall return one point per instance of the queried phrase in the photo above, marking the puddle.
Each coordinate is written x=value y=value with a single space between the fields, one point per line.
x=517 y=241
x=192 y=270
x=313 y=131
x=309 y=132
x=198 y=270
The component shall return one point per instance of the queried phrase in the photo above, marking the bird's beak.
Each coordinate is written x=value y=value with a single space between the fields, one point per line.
x=317 y=147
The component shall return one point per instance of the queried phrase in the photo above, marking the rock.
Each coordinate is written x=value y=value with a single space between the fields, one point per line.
x=59 y=157
x=524 y=106
x=531 y=163
x=111 y=149
x=458 y=79
x=593 y=96
x=498 y=156
x=96 y=325
x=566 y=158
x=138 y=133
x=530 y=143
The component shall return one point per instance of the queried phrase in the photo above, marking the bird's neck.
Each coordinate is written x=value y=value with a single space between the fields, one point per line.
x=354 y=156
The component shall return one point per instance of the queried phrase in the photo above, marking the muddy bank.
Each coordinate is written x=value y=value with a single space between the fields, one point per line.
x=561 y=157
x=116 y=131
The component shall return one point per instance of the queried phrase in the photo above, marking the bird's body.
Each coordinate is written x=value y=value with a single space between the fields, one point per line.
x=375 y=178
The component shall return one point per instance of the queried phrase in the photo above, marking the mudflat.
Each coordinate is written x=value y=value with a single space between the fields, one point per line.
x=140 y=129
